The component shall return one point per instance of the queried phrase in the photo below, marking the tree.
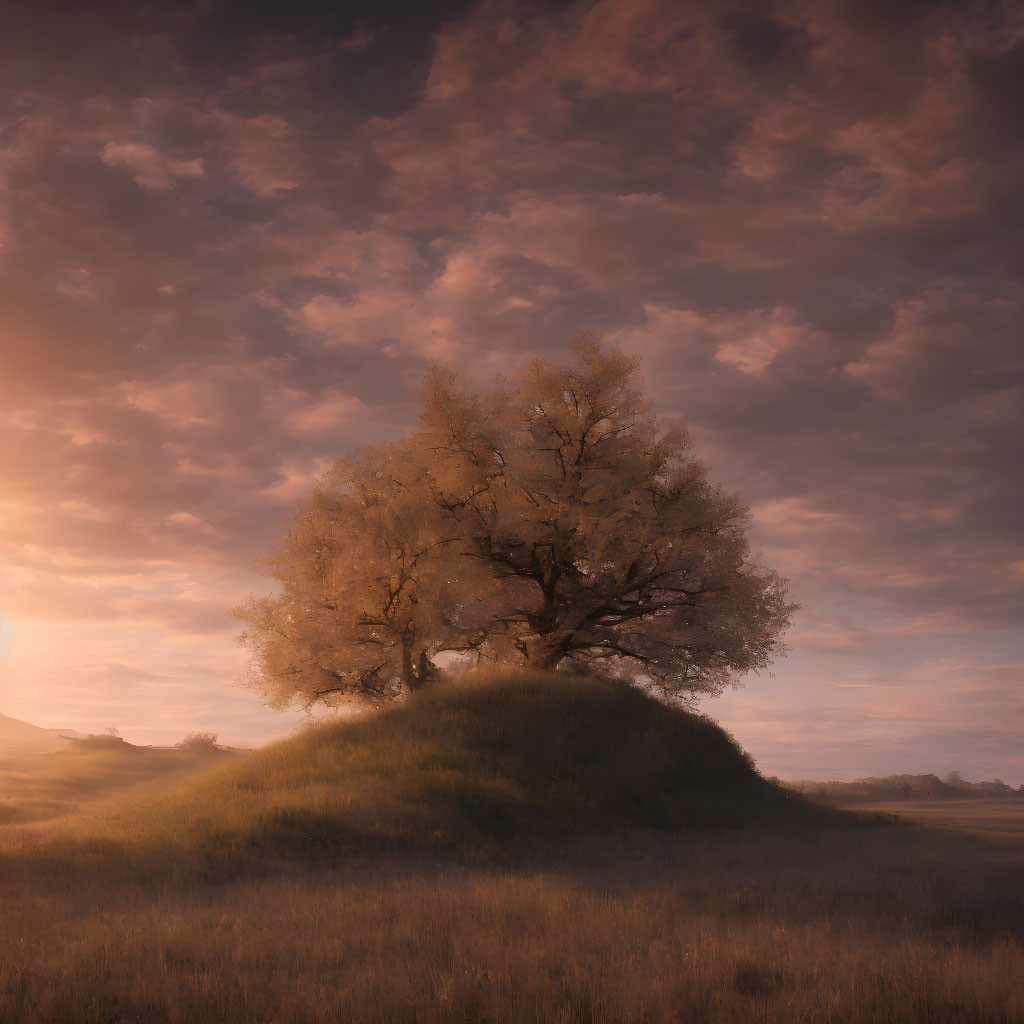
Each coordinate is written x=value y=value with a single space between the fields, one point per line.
x=368 y=592
x=552 y=520
x=611 y=547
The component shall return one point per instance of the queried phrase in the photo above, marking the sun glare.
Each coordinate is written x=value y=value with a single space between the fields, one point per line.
x=6 y=637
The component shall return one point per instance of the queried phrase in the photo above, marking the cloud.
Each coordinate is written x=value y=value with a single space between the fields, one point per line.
x=148 y=166
x=225 y=258
x=953 y=339
x=359 y=40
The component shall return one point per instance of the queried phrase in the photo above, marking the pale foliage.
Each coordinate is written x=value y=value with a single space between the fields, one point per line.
x=552 y=521
x=371 y=589
x=611 y=546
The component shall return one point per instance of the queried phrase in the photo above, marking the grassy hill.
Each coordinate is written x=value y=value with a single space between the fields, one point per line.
x=384 y=869
x=481 y=770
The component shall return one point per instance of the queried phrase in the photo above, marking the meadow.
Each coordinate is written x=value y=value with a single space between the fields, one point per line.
x=514 y=849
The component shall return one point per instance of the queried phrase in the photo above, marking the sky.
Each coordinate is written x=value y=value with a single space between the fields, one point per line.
x=232 y=236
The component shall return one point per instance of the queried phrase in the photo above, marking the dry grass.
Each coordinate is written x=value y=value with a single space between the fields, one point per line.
x=38 y=787
x=999 y=819
x=183 y=909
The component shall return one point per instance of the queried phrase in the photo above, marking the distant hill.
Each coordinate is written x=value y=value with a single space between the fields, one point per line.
x=18 y=738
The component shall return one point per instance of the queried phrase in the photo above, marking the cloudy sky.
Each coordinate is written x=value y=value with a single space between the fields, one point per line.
x=232 y=235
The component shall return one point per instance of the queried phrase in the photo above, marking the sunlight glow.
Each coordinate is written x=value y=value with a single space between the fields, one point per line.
x=6 y=637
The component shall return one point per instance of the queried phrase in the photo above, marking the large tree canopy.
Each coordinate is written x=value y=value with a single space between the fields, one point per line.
x=552 y=520
x=371 y=588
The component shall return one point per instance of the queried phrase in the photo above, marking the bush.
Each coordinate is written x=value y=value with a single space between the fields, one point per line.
x=198 y=743
x=110 y=737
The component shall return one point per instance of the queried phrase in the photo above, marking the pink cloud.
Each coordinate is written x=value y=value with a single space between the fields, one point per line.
x=148 y=166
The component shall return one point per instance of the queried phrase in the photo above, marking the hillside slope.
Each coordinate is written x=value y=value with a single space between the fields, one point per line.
x=57 y=783
x=483 y=769
x=18 y=738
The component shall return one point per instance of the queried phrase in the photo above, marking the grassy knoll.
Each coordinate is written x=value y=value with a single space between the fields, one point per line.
x=508 y=849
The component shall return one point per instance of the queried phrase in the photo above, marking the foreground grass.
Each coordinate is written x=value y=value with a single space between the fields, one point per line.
x=872 y=926
x=524 y=909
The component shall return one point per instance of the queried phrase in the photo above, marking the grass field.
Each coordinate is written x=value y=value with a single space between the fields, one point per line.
x=39 y=787
x=1000 y=821
x=523 y=850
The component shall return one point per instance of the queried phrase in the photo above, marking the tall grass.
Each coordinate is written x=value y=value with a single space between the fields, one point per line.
x=445 y=862
x=37 y=787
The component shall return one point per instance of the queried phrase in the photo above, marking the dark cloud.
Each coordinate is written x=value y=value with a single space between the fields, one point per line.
x=760 y=42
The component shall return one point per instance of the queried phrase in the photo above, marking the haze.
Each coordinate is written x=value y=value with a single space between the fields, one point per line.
x=230 y=241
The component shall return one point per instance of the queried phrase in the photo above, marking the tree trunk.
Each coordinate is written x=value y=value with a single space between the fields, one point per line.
x=427 y=671
x=408 y=672
x=418 y=671
x=546 y=651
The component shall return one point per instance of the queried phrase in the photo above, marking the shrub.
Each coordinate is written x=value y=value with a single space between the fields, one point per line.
x=110 y=737
x=198 y=743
